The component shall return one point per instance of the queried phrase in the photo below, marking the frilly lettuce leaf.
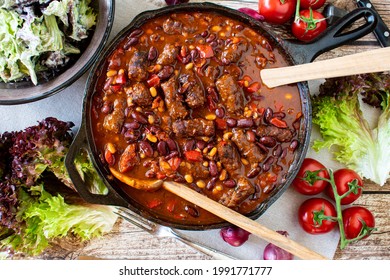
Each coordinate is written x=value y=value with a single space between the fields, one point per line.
x=344 y=129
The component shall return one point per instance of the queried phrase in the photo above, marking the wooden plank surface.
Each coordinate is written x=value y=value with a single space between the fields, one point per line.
x=129 y=242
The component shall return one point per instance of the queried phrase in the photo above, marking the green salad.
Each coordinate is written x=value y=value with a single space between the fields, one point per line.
x=41 y=36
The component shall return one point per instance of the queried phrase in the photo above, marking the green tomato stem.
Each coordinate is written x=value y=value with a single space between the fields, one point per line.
x=339 y=218
x=343 y=241
x=297 y=9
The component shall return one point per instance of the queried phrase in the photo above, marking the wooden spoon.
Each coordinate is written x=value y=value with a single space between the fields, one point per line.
x=223 y=212
x=360 y=63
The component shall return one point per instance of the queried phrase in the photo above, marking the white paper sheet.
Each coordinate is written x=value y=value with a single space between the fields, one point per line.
x=67 y=106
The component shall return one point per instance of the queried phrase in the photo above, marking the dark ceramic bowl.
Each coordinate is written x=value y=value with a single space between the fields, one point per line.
x=294 y=53
x=26 y=91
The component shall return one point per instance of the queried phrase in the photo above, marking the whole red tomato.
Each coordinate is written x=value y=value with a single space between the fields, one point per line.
x=314 y=215
x=310 y=167
x=309 y=25
x=277 y=11
x=357 y=218
x=345 y=179
x=314 y=4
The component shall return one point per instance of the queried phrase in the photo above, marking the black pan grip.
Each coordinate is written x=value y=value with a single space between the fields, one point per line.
x=111 y=198
x=335 y=36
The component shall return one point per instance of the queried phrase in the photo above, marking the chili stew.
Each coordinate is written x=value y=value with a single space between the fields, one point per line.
x=181 y=99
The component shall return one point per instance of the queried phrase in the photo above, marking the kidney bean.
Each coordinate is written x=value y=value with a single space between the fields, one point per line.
x=183 y=51
x=251 y=136
x=200 y=144
x=296 y=124
x=191 y=211
x=284 y=153
x=220 y=112
x=204 y=34
x=211 y=38
x=139 y=117
x=150 y=174
x=253 y=172
x=266 y=167
x=132 y=135
x=220 y=42
x=263 y=148
x=279 y=115
x=136 y=33
x=171 y=144
x=172 y=155
x=162 y=148
x=213 y=44
x=213 y=168
x=132 y=125
x=294 y=145
x=268 y=141
x=152 y=54
x=131 y=42
x=229 y=183
x=267 y=164
x=211 y=184
x=146 y=148
x=231 y=122
x=189 y=145
x=109 y=157
x=269 y=160
x=106 y=109
x=245 y=123
x=277 y=151
x=268 y=114
x=194 y=54
x=212 y=92
x=269 y=188
x=154 y=129
x=165 y=73
x=239 y=27
x=257 y=193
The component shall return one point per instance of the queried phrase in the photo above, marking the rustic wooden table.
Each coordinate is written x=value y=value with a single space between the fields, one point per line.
x=129 y=242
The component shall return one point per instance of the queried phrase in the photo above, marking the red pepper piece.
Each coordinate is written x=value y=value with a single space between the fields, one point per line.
x=254 y=87
x=120 y=79
x=171 y=205
x=205 y=51
x=153 y=81
x=193 y=155
x=116 y=88
x=154 y=203
x=278 y=123
x=174 y=163
x=221 y=124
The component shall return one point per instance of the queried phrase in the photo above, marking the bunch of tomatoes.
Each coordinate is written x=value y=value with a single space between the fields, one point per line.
x=308 y=22
x=318 y=215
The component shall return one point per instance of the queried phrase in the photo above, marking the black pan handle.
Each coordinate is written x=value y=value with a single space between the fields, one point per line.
x=334 y=36
x=111 y=198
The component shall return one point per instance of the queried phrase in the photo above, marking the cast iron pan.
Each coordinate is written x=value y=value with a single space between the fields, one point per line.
x=294 y=52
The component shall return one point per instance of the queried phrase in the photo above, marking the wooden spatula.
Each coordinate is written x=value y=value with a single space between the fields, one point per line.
x=223 y=212
x=360 y=63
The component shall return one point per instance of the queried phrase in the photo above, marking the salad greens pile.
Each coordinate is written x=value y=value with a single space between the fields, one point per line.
x=343 y=126
x=40 y=36
x=37 y=199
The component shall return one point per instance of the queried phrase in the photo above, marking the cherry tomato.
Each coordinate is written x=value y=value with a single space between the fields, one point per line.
x=309 y=25
x=314 y=214
x=277 y=11
x=357 y=218
x=310 y=167
x=344 y=179
x=314 y=4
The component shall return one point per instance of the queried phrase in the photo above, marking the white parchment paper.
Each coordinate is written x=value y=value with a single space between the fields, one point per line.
x=67 y=106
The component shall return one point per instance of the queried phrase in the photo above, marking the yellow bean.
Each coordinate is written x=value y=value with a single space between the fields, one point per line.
x=189 y=178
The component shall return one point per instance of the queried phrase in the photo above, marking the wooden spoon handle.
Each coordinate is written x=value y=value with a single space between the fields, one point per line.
x=242 y=221
x=377 y=60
